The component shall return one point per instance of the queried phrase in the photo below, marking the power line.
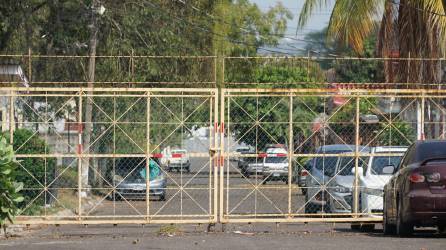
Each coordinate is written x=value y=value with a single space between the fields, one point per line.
x=247 y=31
x=159 y=8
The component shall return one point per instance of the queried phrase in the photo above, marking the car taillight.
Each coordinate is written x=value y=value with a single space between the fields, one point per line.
x=434 y=177
x=416 y=178
x=304 y=173
x=177 y=155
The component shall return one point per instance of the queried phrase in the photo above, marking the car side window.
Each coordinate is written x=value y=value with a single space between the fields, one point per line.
x=408 y=157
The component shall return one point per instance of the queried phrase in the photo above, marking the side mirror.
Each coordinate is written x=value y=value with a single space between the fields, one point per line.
x=389 y=169
x=360 y=171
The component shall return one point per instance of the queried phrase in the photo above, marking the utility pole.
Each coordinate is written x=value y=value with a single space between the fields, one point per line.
x=95 y=9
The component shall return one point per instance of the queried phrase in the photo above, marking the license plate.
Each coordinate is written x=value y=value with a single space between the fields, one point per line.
x=276 y=174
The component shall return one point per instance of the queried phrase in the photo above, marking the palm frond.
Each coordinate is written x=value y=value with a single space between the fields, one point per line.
x=352 y=21
x=308 y=8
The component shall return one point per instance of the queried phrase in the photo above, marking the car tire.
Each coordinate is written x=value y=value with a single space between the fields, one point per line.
x=442 y=228
x=303 y=190
x=163 y=197
x=402 y=228
x=309 y=209
x=367 y=227
x=388 y=229
x=355 y=227
x=264 y=181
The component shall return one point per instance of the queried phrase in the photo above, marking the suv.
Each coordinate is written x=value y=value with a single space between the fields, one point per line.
x=178 y=160
x=416 y=193
x=315 y=196
x=275 y=167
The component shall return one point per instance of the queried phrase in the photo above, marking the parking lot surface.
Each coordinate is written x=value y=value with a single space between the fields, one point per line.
x=254 y=236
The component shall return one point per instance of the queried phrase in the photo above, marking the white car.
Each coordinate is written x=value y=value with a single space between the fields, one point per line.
x=374 y=176
x=178 y=159
x=340 y=183
x=275 y=167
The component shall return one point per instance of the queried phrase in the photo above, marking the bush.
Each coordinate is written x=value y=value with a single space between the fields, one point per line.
x=9 y=189
x=34 y=172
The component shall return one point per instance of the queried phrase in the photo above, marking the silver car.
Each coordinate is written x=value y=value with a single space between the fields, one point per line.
x=130 y=179
x=340 y=184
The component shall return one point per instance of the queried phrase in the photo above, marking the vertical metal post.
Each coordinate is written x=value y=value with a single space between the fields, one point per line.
x=423 y=108
x=222 y=151
x=30 y=71
x=290 y=153
x=215 y=167
x=148 y=158
x=133 y=66
x=11 y=117
x=79 y=158
x=355 y=187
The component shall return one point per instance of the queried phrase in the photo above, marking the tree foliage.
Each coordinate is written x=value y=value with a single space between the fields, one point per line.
x=10 y=189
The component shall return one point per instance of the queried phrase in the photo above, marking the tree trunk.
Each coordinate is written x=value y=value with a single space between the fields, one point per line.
x=89 y=100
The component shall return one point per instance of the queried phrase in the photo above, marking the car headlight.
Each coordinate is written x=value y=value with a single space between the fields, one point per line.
x=342 y=189
x=117 y=178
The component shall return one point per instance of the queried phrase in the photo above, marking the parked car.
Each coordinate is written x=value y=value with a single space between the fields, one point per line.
x=340 y=186
x=316 y=197
x=275 y=167
x=130 y=179
x=300 y=174
x=372 y=178
x=253 y=166
x=178 y=160
x=239 y=151
x=416 y=194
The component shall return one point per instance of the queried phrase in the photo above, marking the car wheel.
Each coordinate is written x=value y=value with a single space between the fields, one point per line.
x=264 y=181
x=163 y=197
x=442 y=229
x=355 y=227
x=304 y=191
x=402 y=228
x=310 y=209
x=388 y=229
x=367 y=227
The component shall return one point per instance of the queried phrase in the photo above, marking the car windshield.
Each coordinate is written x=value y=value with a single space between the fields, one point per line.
x=240 y=150
x=346 y=164
x=325 y=163
x=379 y=162
x=275 y=160
x=133 y=169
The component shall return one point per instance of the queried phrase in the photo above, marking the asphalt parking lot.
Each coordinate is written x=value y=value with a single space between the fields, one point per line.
x=191 y=194
x=235 y=236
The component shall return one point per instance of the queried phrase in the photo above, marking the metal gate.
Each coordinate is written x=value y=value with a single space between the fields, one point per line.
x=300 y=155
x=86 y=156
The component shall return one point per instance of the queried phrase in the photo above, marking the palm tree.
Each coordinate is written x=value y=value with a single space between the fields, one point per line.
x=408 y=29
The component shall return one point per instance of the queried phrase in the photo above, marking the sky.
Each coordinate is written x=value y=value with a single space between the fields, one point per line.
x=317 y=22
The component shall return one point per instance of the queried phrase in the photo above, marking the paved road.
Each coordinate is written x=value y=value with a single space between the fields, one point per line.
x=241 y=197
x=257 y=236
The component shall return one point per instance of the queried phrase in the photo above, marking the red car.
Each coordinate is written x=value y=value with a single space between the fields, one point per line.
x=415 y=196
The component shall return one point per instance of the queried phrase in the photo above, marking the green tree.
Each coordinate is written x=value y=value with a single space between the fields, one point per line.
x=34 y=172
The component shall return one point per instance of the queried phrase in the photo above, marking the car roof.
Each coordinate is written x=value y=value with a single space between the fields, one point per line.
x=389 y=149
x=341 y=148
